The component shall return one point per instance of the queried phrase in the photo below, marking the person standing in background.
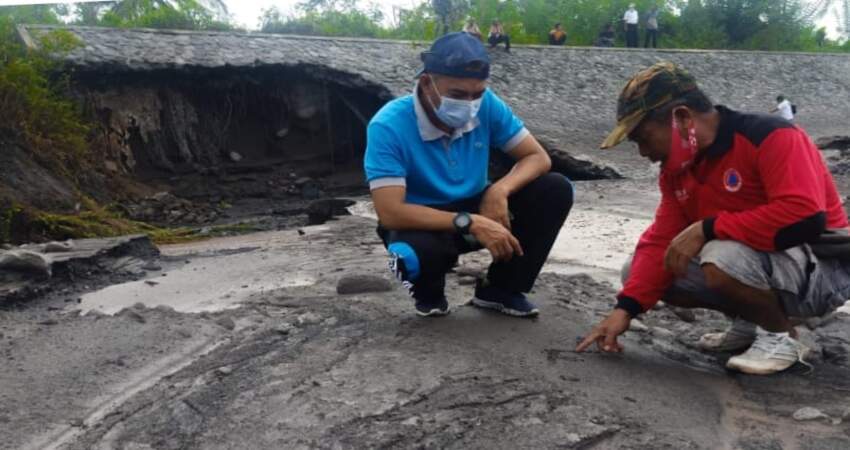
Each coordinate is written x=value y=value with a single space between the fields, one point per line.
x=631 y=19
x=651 y=28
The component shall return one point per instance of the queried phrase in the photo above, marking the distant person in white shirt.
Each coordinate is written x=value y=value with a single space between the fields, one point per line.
x=784 y=109
x=631 y=19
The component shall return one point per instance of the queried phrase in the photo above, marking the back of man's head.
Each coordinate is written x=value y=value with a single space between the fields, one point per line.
x=780 y=99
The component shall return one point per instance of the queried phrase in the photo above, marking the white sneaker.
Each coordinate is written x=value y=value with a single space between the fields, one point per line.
x=844 y=309
x=770 y=353
x=738 y=336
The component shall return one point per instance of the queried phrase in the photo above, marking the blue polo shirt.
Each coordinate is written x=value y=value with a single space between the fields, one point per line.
x=405 y=149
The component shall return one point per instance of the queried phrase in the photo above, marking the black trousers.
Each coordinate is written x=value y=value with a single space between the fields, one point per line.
x=497 y=39
x=651 y=35
x=631 y=35
x=539 y=211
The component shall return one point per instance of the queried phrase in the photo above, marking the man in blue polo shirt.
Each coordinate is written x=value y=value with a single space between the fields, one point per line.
x=426 y=163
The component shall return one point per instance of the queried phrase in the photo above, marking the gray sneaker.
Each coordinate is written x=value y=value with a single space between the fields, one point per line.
x=739 y=336
x=770 y=353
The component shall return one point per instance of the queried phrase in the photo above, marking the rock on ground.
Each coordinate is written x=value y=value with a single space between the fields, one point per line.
x=363 y=284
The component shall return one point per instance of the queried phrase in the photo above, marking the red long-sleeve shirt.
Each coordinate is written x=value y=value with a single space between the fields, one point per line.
x=762 y=183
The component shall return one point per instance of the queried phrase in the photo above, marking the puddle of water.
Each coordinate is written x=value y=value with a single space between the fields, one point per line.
x=204 y=284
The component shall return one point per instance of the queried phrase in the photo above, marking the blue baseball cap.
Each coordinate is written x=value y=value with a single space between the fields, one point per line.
x=458 y=55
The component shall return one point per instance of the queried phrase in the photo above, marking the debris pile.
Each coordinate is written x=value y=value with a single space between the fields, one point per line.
x=166 y=208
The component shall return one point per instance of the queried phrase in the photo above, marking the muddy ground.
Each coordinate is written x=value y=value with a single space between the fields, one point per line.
x=244 y=342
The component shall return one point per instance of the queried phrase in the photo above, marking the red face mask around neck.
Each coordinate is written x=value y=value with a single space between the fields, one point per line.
x=682 y=151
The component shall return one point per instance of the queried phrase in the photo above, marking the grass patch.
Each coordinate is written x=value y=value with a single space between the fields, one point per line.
x=19 y=224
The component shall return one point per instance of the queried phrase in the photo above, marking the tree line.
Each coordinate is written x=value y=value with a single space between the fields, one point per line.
x=171 y=14
x=788 y=25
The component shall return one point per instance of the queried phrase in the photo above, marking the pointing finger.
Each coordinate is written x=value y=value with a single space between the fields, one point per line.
x=589 y=339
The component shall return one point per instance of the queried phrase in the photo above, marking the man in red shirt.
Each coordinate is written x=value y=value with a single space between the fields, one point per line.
x=743 y=197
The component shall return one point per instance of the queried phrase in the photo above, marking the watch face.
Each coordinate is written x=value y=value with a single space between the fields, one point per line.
x=462 y=221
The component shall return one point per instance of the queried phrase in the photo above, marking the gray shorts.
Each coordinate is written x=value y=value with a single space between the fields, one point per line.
x=806 y=286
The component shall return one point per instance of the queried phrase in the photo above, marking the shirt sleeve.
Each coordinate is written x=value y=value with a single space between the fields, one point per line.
x=384 y=161
x=795 y=213
x=506 y=129
x=648 y=280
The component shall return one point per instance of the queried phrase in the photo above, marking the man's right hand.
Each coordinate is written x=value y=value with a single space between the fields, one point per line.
x=605 y=334
x=501 y=244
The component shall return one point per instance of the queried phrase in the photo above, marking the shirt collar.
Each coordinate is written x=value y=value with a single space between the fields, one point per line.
x=725 y=138
x=428 y=131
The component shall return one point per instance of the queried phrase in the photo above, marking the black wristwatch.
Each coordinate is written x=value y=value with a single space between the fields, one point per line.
x=462 y=222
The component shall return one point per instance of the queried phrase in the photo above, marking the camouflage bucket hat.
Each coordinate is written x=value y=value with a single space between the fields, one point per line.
x=649 y=89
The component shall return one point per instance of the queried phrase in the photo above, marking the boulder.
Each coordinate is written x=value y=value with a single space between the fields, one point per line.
x=321 y=211
x=25 y=261
x=362 y=284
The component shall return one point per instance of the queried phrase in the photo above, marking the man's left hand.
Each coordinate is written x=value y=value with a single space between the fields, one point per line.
x=683 y=248
x=494 y=206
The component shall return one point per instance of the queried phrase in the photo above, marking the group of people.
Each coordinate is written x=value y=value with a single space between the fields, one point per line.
x=495 y=36
x=750 y=222
x=631 y=20
x=557 y=36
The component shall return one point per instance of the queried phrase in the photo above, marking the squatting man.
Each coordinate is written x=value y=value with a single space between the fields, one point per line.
x=426 y=164
x=750 y=222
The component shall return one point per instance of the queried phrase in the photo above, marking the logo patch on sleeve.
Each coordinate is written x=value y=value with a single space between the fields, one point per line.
x=732 y=180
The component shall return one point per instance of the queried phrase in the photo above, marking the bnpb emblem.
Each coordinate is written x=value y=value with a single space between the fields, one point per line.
x=732 y=180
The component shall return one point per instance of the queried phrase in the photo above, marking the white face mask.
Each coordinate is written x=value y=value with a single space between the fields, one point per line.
x=453 y=112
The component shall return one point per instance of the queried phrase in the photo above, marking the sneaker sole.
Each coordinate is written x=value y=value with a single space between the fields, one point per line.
x=501 y=308
x=436 y=312
x=763 y=370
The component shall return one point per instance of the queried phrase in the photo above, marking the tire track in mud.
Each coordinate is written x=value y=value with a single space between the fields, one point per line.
x=140 y=381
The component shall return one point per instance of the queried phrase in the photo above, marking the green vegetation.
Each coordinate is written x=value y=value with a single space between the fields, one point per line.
x=101 y=222
x=170 y=14
x=787 y=25
x=19 y=223
x=326 y=18
x=34 y=109
x=37 y=114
